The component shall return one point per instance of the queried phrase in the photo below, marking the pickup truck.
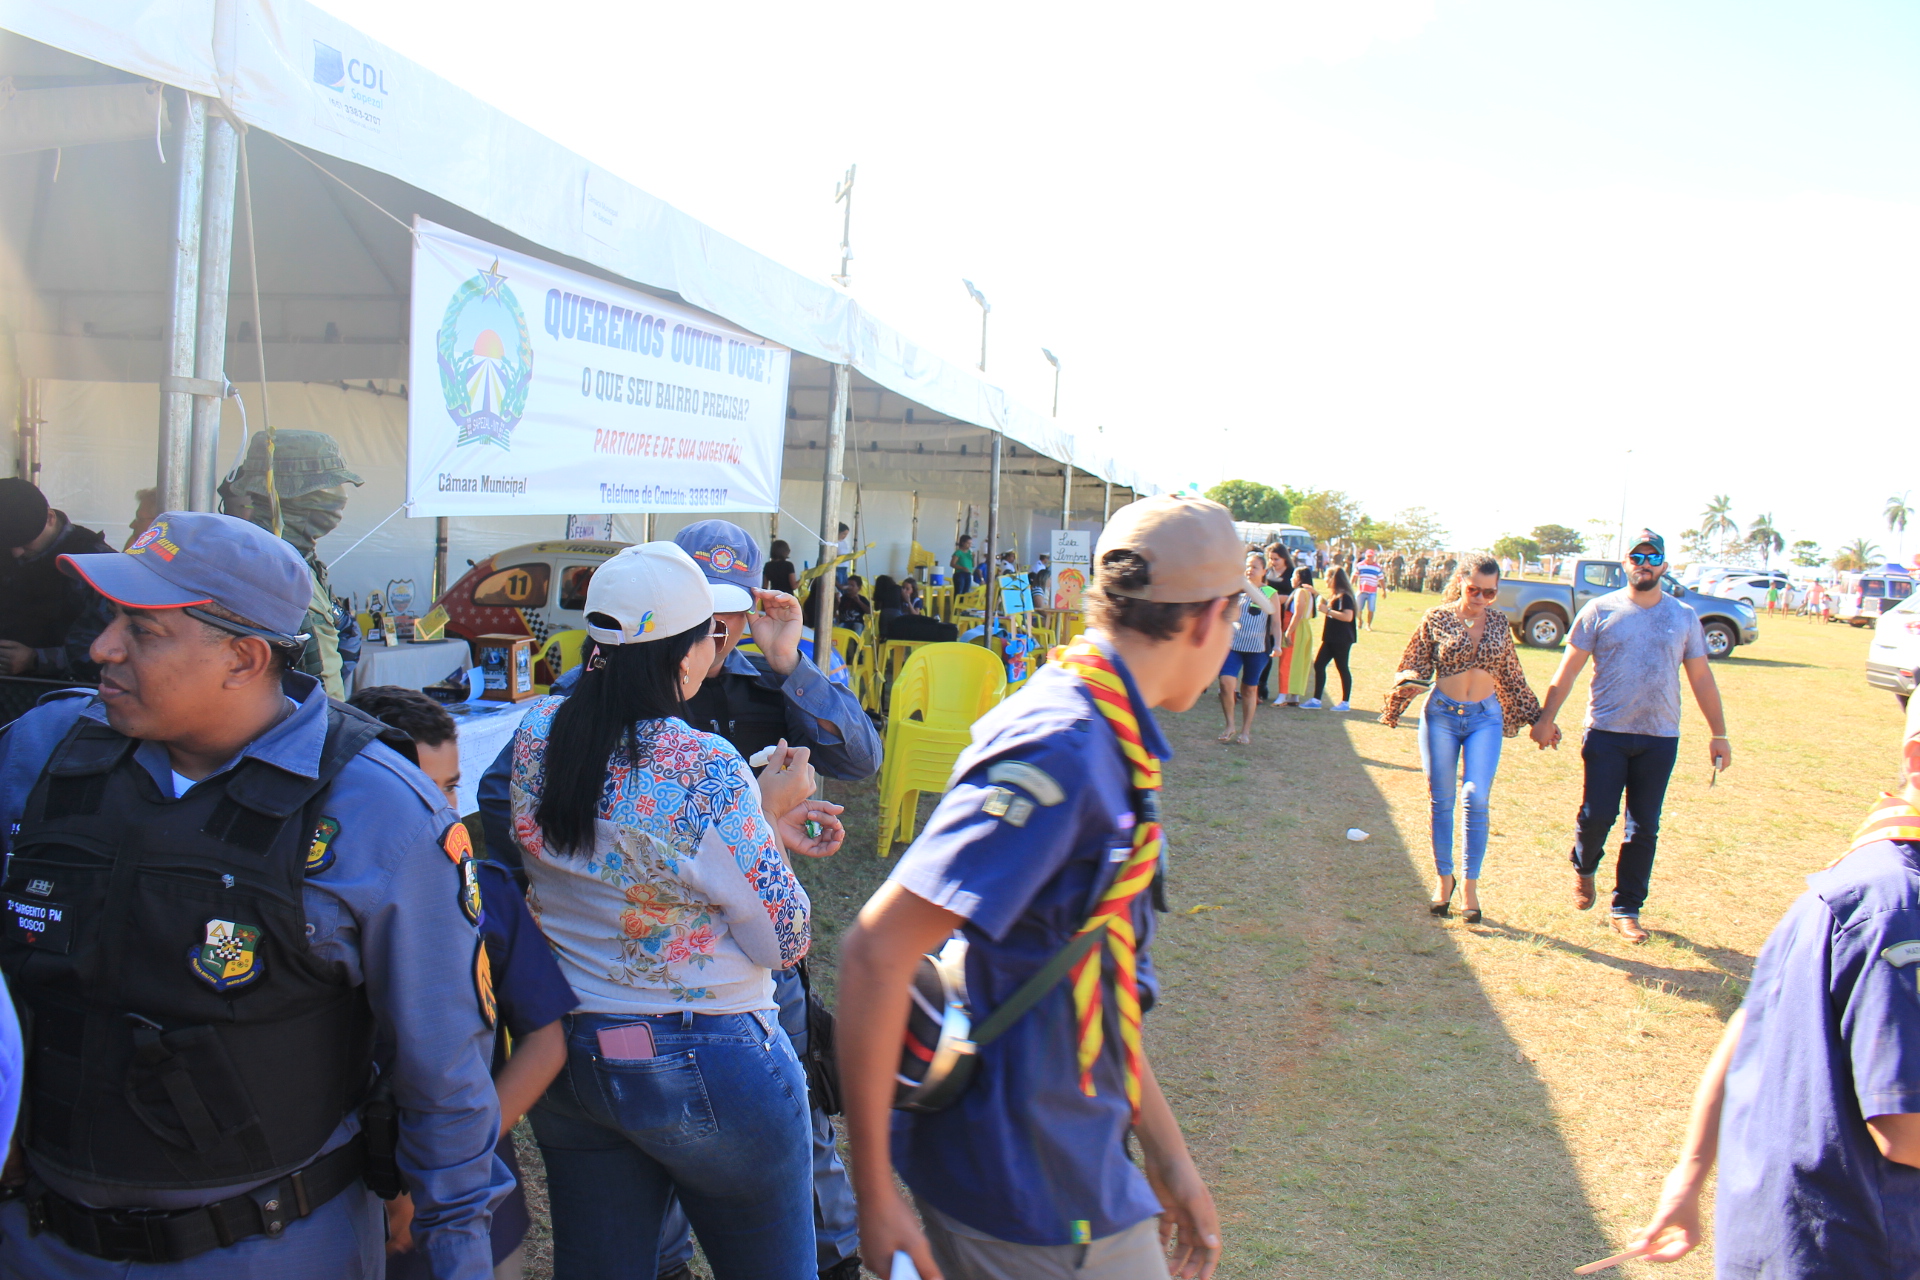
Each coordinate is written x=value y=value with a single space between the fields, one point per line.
x=1543 y=612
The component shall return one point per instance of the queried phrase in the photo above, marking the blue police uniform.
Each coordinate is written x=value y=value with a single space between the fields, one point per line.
x=1022 y=847
x=383 y=903
x=1832 y=1038
x=531 y=993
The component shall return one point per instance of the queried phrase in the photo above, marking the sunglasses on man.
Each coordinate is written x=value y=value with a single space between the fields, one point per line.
x=1647 y=557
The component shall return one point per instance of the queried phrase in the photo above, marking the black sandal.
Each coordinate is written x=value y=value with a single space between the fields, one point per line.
x=1444 y=907
x=1471 y=915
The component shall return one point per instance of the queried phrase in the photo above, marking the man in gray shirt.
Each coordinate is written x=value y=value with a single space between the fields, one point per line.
x=1639 y=638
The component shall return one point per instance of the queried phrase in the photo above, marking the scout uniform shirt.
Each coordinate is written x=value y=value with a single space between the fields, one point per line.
x=1038 y=824
x=384 y=901
x=1832 y=1037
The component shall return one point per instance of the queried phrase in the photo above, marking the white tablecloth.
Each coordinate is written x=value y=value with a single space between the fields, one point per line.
x=484 y=729
x=411 y=666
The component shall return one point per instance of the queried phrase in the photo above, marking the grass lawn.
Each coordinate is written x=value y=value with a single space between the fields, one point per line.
x=1374 y=1093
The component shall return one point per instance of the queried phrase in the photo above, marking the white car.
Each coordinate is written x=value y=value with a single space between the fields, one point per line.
x=1750 y=585
x=1895 y=653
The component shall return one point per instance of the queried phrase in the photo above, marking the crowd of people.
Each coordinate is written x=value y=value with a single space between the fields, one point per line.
x=283 y=1009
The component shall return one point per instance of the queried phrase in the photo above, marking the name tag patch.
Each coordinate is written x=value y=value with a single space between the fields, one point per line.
x=44 y=925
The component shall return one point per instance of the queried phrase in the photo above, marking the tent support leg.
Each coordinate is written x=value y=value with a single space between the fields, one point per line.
x=183 y=298
x=439 y=557
x=830 y=502
x=216 y=272
x=1066 y=498
x=993 y=530
x=1106 y=506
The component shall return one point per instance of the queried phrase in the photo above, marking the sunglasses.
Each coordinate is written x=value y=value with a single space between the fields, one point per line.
x=719 y=633
x=1484 y=593
x=1647 y=557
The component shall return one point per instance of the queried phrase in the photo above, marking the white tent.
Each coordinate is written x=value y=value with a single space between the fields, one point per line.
x=345 y=143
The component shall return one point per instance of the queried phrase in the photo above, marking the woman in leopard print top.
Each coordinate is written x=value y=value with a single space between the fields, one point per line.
x=1480 y=696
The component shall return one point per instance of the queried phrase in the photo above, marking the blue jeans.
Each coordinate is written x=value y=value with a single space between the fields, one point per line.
x=836 y=1222
x=1453 y=734
x=1638 y=764
x=718 y=1116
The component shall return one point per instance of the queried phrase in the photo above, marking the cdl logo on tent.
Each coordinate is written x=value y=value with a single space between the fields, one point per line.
x=329 y=67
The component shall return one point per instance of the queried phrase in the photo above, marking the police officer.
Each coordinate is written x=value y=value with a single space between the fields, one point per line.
x=753 y=700
x=1044 y=858
x=311 y=478
x=218 y=886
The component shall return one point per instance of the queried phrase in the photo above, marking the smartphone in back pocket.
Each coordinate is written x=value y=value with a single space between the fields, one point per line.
x=635 y=1040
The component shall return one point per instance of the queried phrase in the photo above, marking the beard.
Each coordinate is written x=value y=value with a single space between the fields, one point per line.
x=1643 y=576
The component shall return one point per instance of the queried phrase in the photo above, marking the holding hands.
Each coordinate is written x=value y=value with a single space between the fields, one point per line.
x=1545 y=733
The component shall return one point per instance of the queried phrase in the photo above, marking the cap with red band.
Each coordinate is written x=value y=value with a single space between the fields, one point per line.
x=188 y=558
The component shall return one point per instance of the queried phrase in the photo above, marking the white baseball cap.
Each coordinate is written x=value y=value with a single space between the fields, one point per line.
x=649 y=592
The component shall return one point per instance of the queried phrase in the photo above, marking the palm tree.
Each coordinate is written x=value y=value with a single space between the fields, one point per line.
x=1856 y=555
x=1763 y=535
x=1897 y=512
x=1717 y=520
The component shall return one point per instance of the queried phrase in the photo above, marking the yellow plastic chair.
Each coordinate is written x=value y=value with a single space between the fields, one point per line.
x=561 y=653
x=941 y=692
x=853 y=647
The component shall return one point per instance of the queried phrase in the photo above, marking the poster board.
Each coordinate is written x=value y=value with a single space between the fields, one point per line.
x=540 y=390
x=1071 y=560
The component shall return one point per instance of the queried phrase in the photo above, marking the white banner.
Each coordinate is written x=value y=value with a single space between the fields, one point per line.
x=538 y=390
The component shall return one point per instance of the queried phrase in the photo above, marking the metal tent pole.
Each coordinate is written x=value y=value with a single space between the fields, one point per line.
x=830 y=504
x=1066 y=498
x=216 y=271
x=183 y=298
x=439 y=557
x=1106 y=506
x=993 y=532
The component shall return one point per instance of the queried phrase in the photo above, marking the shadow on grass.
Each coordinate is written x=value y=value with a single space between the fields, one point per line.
x=1720 y=991
x=1738 y=660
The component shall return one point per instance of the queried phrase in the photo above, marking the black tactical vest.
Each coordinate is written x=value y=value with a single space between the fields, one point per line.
x=741 y=709
x=180 y=1034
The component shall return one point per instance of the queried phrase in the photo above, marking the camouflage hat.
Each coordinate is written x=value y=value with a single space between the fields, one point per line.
x=302 y=462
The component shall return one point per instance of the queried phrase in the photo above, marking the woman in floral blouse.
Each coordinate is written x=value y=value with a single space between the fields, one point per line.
x=1464 y=647
x=661 y=884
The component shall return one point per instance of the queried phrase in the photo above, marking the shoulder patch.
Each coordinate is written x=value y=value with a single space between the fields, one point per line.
x=1030 y=778
x=483 y=984
x=457 y=843
x=320 y=850
x=1902 y=954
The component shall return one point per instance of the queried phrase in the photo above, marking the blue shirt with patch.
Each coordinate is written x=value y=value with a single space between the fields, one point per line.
x=387 y=909
x=1024 y=1155
x=1832 y=1038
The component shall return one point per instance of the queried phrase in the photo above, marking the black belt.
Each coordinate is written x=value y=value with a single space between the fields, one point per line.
x=172 y=1235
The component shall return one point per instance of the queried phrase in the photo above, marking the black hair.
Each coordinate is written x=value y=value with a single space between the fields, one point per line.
x=408 y=710
x=886 y=593
x=1303 y=577
x=780 y=550
x=1152 y=619
x=631 y=683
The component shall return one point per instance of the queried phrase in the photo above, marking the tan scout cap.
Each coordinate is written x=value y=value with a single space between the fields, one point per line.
x=1191 y=550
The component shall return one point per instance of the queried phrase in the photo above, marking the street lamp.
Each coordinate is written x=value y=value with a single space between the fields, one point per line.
x=985 y=307
x=1054 y=360
x=843 y=193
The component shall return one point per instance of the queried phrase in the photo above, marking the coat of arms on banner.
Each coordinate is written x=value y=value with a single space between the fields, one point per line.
x=226 y=959
x=486 y=359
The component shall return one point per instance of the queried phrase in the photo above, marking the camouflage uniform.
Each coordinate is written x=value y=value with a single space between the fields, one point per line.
x=312 y=478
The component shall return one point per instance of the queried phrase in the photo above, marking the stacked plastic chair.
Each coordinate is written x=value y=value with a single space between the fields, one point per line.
x=561 y=653
x=942 y=690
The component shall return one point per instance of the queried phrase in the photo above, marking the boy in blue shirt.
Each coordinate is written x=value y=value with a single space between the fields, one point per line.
x=528 y=987
x=1050 y=831
x=1812 y=1100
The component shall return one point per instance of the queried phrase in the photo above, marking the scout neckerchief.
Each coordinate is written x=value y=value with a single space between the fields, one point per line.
x=1890 y=819
x=1115 y=910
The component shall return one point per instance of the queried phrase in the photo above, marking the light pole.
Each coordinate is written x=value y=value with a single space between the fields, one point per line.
x=1054 y=360
x=985 y=307
x=843 y=194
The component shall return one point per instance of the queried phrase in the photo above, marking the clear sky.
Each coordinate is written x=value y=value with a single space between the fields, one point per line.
x=1458 y=253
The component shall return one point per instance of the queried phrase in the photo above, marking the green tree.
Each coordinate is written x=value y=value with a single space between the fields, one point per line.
x=1377 y=535
x=1764 y=538
x=1716 y=522
x=1806 y=554
x=1252 y=501
x=1695 y=544
x=1856 y=555
x=1558 y=540
x=1514 y=547
x=1420 y=530
x=1328 y=514
x=1897 y=513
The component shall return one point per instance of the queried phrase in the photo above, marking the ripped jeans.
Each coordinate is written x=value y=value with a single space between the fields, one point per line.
x=1453 y=734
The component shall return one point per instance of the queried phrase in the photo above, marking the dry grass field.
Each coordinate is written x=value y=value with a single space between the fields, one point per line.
x=1374 y=1093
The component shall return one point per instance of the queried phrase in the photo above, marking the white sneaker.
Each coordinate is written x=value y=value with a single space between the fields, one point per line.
x=1311 y=704
x=1340 y=706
